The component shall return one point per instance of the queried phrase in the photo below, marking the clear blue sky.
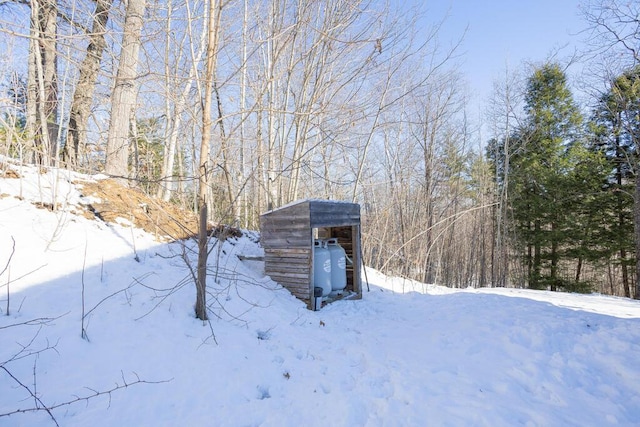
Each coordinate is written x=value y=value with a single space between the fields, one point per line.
x=505 y=33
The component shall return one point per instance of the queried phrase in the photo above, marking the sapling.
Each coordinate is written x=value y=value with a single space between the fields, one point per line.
x=7 y=268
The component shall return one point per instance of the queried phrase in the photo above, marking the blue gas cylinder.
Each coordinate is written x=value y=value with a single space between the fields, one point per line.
x=322 y=267
x=338 y=265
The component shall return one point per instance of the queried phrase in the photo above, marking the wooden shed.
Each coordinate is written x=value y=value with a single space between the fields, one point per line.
x=287 y=236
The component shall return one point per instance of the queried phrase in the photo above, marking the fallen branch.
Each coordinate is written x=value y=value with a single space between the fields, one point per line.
x=36 y=398
x=32 y=322
x=93 y=394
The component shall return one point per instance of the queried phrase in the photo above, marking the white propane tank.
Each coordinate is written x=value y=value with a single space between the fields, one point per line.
x=321 y=267
x=338 y=265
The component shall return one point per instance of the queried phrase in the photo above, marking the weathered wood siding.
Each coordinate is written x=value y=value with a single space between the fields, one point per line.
x=287 y=236
x=286 y=228
x=333 y=214
x=287 y=241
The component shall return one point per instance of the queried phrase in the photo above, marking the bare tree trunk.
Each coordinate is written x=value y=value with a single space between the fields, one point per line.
x=214 y=10
x=636 y=223
x=554 y=260
x=42 y=96
x=537 y=255
x=201 y=285
x=610 y=279
x=244 y=215
x=225 y=154
x=271 y=176
x=625 y=273
x=482 y=281
x=427 y=190
x=124 y=93
x=501 y=259
x=579 y=270
x=504 y=104
x=32 y=86
x=176 y=116
x=83 y=94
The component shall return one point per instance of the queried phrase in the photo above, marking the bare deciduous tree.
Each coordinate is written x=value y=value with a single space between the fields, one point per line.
x=124 y=92
x=42 y=86
x=214 y=9
x=83 y=94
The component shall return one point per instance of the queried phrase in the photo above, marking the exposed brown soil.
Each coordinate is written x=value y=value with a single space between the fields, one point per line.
x=163 y=219
x=155 y=216
x=10 y=173
x=7 y=172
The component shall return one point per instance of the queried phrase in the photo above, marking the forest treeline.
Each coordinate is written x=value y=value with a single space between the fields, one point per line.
x=246 y=105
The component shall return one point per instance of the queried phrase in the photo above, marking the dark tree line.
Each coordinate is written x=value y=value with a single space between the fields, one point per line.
x=571 y=183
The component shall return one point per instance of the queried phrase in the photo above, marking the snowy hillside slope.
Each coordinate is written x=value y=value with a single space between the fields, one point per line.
x=407 y=354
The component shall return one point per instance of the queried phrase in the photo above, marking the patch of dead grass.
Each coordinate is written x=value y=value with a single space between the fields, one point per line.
x=160 y=218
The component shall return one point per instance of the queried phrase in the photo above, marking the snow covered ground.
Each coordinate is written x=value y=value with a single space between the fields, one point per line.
x=407 y=354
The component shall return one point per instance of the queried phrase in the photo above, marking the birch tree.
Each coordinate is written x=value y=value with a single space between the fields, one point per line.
x=178 y=89
x=504 y=118
x=42 y=86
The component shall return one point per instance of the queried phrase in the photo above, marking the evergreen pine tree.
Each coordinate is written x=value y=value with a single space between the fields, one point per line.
x=616 y=130
x=548 y=180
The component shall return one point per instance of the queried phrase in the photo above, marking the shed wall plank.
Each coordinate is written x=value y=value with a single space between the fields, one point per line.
x=294 y=262
x=285 y=223
x=286 y=240
x=334 y=222
x=287 y=276
x=288 y=251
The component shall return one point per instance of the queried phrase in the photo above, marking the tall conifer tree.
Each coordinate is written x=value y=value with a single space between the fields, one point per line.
x=542 y=179
x=617 y=132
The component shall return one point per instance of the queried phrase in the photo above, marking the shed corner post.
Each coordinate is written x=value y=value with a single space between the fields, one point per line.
x=358 y=260
x=312 y=300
